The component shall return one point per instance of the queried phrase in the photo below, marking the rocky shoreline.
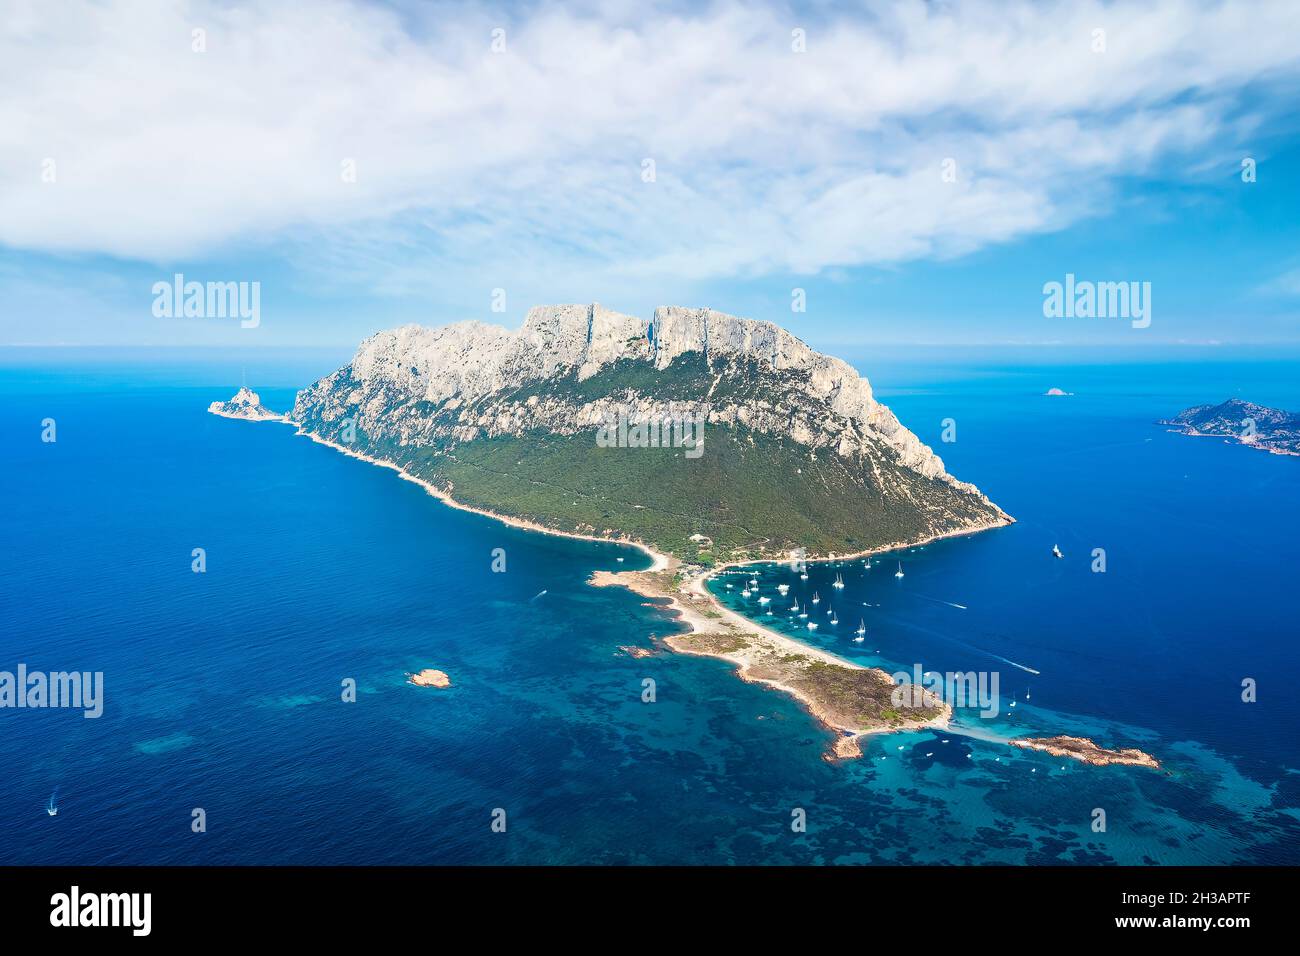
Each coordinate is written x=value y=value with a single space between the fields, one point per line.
x=846 y=697
x=834 y=690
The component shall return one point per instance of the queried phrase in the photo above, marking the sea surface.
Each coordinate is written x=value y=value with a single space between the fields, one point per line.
x=224 y=689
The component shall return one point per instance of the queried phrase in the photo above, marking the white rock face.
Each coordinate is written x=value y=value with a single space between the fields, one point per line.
x=462 y=367
x=246 y=404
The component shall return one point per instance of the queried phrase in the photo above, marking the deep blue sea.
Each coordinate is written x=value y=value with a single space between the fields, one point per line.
x=223 y=689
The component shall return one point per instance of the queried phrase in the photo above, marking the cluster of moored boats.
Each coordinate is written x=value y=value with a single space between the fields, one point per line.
x=804 y=612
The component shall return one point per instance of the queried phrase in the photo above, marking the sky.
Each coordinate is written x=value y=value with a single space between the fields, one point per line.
x=915 y=173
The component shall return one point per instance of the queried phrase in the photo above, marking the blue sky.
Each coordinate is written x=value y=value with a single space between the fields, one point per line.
x=133 y=148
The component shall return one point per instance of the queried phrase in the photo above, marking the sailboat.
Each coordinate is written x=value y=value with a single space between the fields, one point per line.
x=816 y=598
x=899 y=572
x=52 y=809
x=1057 y=551
x=839 y=581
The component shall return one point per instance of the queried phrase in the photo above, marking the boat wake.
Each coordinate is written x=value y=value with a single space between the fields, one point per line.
x=960 y=607
x=1006 y=660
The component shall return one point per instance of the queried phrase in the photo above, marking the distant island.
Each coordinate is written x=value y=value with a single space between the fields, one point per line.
x=246 y=405
x=1246 y=423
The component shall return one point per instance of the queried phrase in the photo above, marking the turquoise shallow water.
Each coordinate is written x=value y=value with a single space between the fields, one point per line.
x=223 y=689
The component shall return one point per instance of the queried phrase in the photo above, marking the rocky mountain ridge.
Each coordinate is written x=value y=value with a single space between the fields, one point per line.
x=461 y=366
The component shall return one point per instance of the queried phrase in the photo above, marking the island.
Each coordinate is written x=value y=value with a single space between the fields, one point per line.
x=246 y=405
x=1270 y=429
x=849 y=698
x=429 y=678
x=704 y=435
x=706 y=440
x=1081 y=748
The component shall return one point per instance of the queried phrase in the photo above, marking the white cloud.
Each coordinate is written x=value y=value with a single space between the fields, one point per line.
x=767 y=160
x=1287 y=284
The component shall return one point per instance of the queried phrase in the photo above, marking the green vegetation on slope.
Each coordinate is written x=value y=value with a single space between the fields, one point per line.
x=750 y=493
